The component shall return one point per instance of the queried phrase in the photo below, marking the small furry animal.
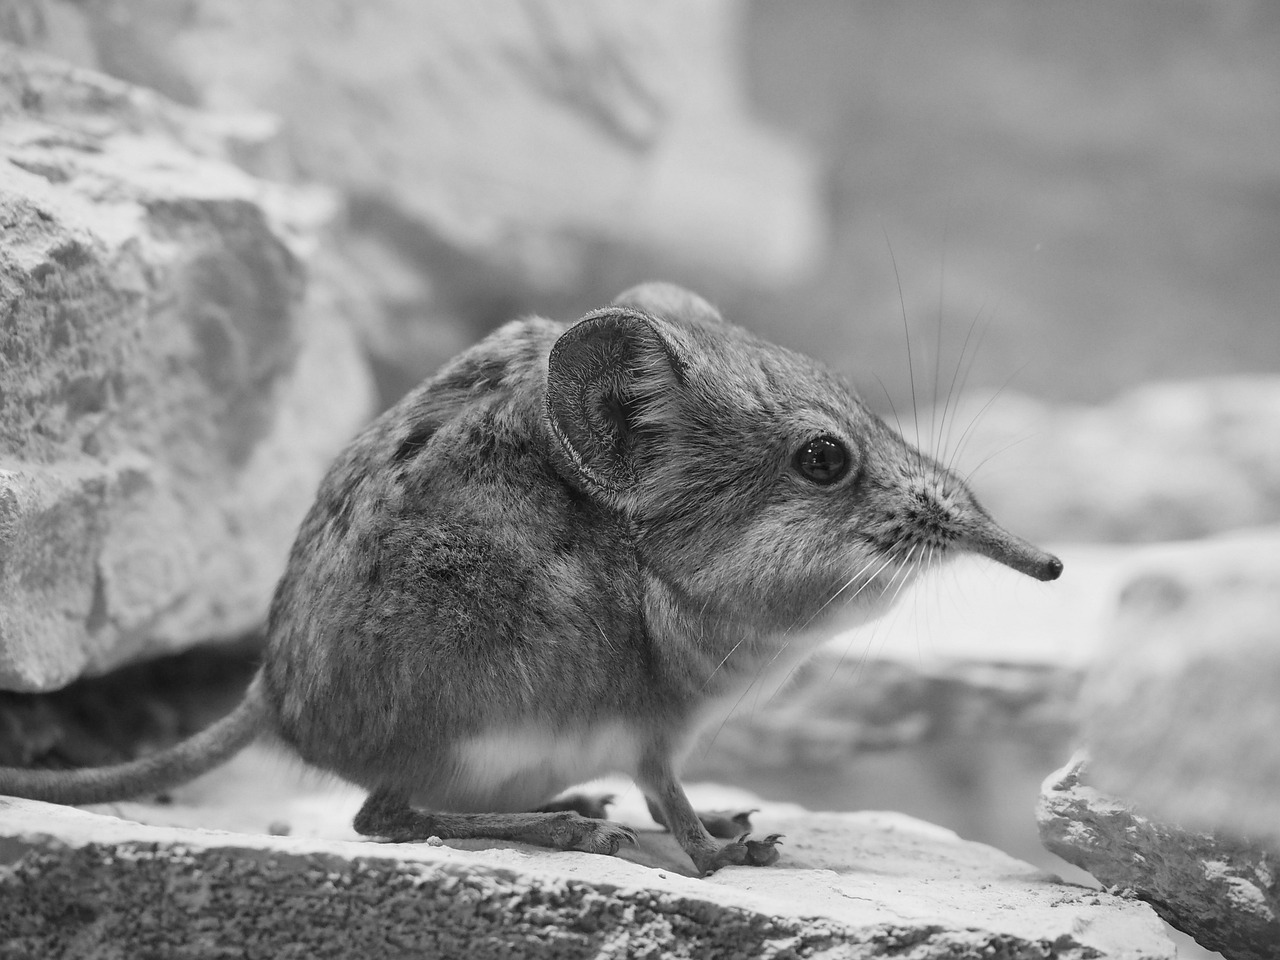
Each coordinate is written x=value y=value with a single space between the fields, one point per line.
x=562 y=556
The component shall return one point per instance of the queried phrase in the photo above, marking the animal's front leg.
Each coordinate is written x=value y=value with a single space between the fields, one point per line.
x=725 y=824
x=658 y=781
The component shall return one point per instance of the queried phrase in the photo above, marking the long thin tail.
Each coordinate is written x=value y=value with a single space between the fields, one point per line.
x=167 y=768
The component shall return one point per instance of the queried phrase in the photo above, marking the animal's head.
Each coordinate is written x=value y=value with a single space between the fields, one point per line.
x=755 y=478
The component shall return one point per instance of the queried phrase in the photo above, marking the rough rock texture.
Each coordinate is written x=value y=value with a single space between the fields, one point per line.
x=848 y=886
x=1181 y=709
x=1165 y=461
x=1179 y=713
x=493 y=154
x=172 y=387
x=1221 y=890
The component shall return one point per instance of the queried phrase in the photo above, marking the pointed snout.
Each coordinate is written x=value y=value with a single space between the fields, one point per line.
x=989 y=540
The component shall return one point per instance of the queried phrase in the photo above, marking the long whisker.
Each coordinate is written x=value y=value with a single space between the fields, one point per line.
x=870 y=580
x=934 y=556
x=937 y=341
x=906 y=329
x=968 y=369
x=786 y=640
x=939 y=445
x=782 y=647
x=905 y=569
x=786 y=637
x=985 y=460
x=725 y=659
x=964 y=437
x=902 y=569
x=848 y=583
x=892 y=408
x=881 y=628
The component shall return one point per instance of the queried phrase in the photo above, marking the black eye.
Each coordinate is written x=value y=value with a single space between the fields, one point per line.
x=823 y=460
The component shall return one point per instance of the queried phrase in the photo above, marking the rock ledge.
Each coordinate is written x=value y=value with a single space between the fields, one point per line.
x=80 y=883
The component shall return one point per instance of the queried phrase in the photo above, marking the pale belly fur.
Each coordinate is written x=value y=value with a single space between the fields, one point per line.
x=521 y=768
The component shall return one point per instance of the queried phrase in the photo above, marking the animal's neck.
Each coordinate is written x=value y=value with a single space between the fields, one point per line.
x=706 y=649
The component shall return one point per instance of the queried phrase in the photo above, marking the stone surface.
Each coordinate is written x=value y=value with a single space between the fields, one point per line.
x=494 y=155
x=1220 y=889
x=1181 y=709
x=1179 y=712
x=172 y=385
x=848 y=886
x=1165 y=461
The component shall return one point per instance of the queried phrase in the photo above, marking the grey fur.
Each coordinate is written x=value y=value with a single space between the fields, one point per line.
x=583 y=532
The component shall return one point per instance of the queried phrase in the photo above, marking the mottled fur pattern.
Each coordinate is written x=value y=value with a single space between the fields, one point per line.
x=481 y=559
x=449 y=580
x=560 y=555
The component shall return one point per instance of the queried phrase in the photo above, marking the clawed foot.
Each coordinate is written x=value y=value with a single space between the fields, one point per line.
x=572 y=831
x=743 y=852
x=589 y=828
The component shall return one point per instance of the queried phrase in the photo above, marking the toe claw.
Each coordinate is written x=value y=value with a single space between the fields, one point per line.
x=763 y=853
x=616 y=835
x=743 y=851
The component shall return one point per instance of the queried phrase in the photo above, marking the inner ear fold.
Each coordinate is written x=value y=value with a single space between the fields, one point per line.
x=606 y=376
x=670 y=302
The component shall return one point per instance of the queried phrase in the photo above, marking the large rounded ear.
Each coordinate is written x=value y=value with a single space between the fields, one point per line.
x=609 y=378
x=670 y=302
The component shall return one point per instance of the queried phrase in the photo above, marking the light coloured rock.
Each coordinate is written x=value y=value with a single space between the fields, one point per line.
x=1219 y=889
x=1165 y=461
x=1181 y=710
x=172 y=385
x=848 y=886
x=493 y=154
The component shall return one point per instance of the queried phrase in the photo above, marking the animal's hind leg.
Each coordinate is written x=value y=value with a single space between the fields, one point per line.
x=387 y=813
x=593 y=805
x=725 y=824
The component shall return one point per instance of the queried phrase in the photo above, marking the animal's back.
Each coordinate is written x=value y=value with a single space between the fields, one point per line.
x=448 y=583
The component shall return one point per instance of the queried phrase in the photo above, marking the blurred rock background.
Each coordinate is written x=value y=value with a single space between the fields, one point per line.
x=1042 y=239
